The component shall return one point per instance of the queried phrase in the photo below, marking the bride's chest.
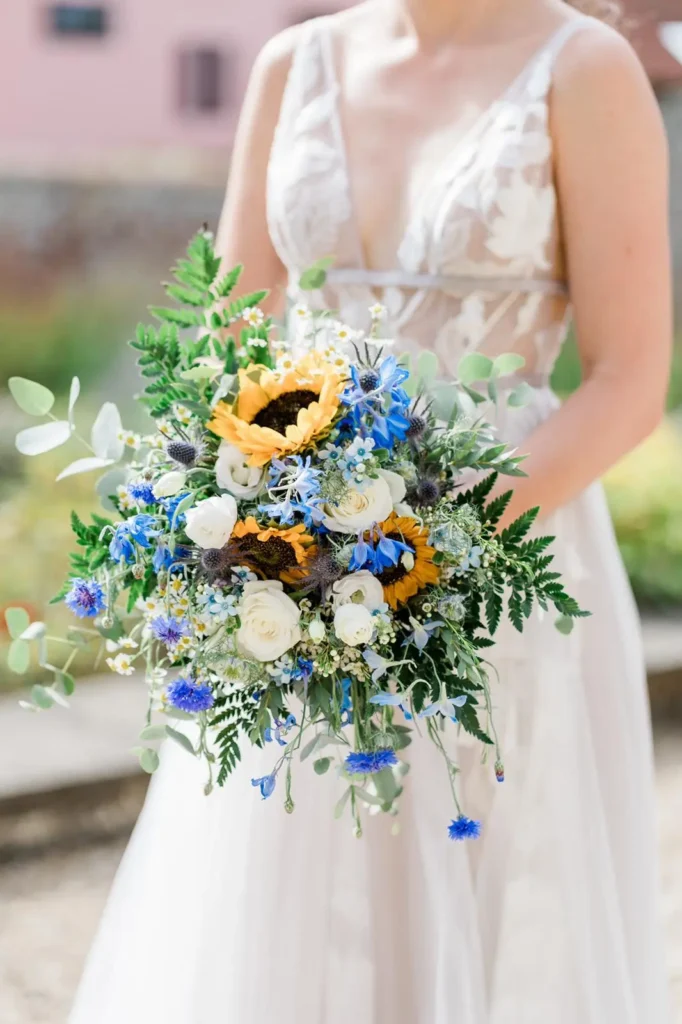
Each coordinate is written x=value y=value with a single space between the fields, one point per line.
x=380 y=179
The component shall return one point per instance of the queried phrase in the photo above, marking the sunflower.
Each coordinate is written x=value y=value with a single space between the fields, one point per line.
x=399 y=582
x=272 y=553
x=278 y=414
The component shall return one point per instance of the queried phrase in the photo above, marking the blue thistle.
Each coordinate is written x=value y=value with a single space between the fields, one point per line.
x=359 y=762
x=170 y=631
x=464 y=828
x=189 y=695
x=86 y=598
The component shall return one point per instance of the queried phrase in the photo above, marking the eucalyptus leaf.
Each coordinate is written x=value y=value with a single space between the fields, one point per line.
x=19 y=657
x=41 y=697
x=153 y=732
x=43 y=438
x=34 y=632
x=427 y=367
x=18 y=620
x=200 y=372
x=30 y=396
x=84 y=466
x=181 y=739
x=520 y=396
x=444 y=401
x=322 y=765
x=149 y=760
x=105 y=436
x=564 y=624
x=74 y=392
x=107 y=484
x=474 y=366
x=309 y=748
x=341 y=804
x=369 y=798
x=66 y=681
x=508 y=362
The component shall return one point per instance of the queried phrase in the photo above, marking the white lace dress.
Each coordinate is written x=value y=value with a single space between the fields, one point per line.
x=226 y=909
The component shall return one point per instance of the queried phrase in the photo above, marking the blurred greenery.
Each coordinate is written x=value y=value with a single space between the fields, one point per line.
x=69 y=334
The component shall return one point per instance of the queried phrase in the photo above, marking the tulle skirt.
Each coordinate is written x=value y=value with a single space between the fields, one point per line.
x=227 y=909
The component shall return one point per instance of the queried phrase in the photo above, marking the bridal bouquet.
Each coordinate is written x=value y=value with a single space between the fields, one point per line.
x=291 y=559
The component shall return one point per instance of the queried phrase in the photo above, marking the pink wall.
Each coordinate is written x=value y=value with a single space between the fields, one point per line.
x=112 y=102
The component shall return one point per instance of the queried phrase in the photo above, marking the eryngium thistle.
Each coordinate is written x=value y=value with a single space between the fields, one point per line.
x=322 y=571
x=428 y=492
x=183 y=452
x=213 y=559
x=369 y=380
x=416 y=428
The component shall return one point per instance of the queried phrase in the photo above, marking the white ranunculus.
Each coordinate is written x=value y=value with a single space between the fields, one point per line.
x=317 y=631
x=360 y=508
x=169 y=484
x=234 y=474
x=353 y=624
x=269 y=621
x=396 y=484
x=211 y=522
x=358 y=588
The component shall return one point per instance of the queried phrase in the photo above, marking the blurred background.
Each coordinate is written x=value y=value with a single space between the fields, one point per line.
x=115 y=131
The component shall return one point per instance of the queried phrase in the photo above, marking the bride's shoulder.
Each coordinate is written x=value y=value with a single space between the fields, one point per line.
x=597 y=61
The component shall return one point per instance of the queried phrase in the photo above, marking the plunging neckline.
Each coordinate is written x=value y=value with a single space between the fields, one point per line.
x=443 y=169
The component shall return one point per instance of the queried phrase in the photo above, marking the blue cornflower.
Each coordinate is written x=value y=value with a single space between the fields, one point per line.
x=142 y=492
x=86 y=598
x=464 y=828
x=360 y=763
x=140 y=528
x=189 y=695
x=170 y=631
x=266 y=784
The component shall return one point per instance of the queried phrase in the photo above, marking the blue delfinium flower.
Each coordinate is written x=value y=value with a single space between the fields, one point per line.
x=464 y=828
x=360 y=763
x=86 y=598
x=170 y=631
x=140 y=528
x=189 y=695
x=266 y=785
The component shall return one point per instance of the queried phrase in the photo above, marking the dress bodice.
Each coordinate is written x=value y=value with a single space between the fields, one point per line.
x=479 y=266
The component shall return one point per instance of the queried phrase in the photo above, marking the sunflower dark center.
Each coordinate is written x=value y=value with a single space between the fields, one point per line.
x=394 y=573
x=267 y=557
x=281 y=412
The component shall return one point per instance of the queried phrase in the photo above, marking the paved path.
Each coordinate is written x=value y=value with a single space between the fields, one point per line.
x=49 y=909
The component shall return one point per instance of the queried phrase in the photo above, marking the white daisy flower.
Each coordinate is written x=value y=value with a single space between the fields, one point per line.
x=129 y=438
x=301 y=312
x=183 y=415
x=122 y=664
x=165 y=428
x=253 y=316
x=124 y=500
x=151 y=606
x=128 y=644
x=343 y=333
x=377 y=311
x=177 y=585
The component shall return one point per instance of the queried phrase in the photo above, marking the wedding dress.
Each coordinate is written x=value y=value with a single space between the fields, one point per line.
x=227 y=909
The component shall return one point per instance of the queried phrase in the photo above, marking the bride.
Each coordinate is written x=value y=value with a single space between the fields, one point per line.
x=484 y=169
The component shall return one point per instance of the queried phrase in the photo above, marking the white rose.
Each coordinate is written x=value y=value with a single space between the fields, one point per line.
x=353 y=624
x=269 y=621
x=359 y=509
x=396 y=484
x=401 y=508
x=169 y=484
x=211 y=522
x=234 y=474
x=358 y=588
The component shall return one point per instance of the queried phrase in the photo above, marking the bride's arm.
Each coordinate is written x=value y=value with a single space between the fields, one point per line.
x=611 y=165
x=243 y=235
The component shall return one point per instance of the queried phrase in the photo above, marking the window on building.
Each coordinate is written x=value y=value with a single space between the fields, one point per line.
x=202 y=80
x=78 y=20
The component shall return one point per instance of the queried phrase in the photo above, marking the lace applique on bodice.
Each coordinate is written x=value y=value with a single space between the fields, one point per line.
x=479 y=267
